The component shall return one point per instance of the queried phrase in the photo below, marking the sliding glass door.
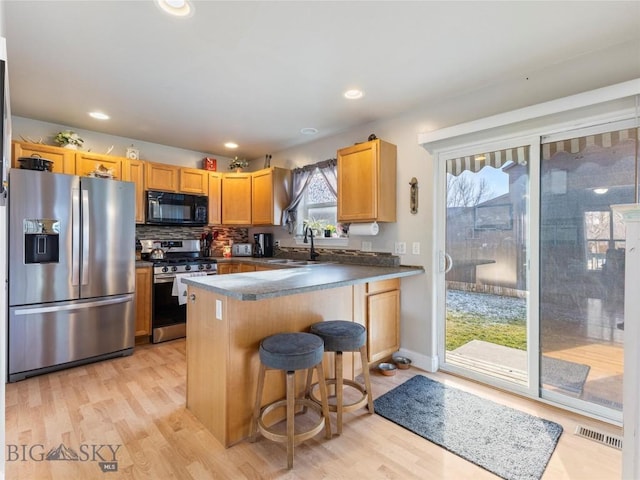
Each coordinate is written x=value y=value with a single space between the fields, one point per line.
x=582 y=265
x=531 y=280
x=486 y=284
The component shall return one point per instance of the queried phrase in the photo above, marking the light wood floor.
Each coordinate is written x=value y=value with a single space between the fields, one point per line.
x=139 y=402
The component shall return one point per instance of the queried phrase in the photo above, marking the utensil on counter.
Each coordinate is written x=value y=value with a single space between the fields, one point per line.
x=157 y=253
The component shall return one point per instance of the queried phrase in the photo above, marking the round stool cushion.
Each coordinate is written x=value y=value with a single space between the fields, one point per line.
x=291 y=351
x=340 y=335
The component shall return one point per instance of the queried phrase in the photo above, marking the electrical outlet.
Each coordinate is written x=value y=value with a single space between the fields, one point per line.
x=218 y=309
x=415 y=248
x=366 y=246
x=400 y=248
x=276 y=243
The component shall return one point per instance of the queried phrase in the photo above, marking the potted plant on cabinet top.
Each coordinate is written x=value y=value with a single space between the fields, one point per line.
x=238 y=165
x=68 y=139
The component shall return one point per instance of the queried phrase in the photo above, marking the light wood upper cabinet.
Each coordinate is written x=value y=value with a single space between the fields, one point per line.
x=161 y=176
x=63 y=158
x=87 y=162
x=194 y=181
x=215 y=198
x=236 y=199
x=133 y=171
x=367 y=182
x=270 y=195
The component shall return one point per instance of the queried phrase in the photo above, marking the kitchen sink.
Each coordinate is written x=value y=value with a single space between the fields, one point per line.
x=293 y=262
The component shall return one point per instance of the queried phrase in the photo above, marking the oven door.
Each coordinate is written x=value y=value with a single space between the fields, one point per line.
x=168 y=318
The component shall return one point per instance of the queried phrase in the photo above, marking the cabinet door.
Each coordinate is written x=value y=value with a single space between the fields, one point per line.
x=133 y=171
x=224 y=268
x=160 y=176
x=357 y=182
x=270 y=195
x=87 y=162
x=215 y=198
x=367 y=182
x=236 y=199
x=63 y=158
x=143 y=301
x=383 y=329
x=262 y=197
x=193 y=180
x=245 y=267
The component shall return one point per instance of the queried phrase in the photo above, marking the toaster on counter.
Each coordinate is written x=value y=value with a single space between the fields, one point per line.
x=242 y=250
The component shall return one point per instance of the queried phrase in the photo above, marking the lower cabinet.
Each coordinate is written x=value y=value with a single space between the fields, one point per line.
x=379 y=308
x=143 y=303
x=235 y=267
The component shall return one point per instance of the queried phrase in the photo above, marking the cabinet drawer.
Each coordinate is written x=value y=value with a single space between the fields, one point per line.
x=383 y=286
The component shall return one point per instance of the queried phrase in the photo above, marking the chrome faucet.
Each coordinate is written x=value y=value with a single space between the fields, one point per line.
x=312 y=252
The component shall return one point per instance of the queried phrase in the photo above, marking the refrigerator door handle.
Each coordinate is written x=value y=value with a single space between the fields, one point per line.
x=75 y=306
x=75 y=234
x=86 y=274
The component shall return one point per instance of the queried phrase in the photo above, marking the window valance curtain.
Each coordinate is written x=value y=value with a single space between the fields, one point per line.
x=300 y=181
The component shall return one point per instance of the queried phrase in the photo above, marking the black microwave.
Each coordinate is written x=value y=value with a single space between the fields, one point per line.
x=165 y=208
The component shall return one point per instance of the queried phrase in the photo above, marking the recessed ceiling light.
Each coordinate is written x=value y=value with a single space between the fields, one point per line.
x=231 y=145
x=177 y=8
x=308 y=131
x=99 y=115
x=600 y=191
x=353 y=94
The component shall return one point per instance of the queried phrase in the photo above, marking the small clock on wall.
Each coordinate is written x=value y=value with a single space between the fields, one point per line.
x=133 y=153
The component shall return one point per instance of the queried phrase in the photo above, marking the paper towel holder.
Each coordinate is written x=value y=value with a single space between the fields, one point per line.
x=413 y=195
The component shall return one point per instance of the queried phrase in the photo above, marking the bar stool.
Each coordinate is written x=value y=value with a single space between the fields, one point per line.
x=342 y=336
x=290 y=352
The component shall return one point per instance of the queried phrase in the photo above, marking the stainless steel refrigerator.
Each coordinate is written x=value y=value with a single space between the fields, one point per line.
x=71 y=271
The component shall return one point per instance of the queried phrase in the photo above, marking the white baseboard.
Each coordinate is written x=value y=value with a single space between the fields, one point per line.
x=424 y=362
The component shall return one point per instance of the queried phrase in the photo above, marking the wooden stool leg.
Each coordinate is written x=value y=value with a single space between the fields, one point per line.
x=339 y=391
x=365 y=374
x=324 y=400
x=291 y=406
x=253 y=431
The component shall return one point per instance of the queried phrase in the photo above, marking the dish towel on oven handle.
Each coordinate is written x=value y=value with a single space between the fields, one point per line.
x=180 y=289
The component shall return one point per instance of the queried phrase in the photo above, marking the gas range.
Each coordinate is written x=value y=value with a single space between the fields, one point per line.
x=185 y=265
x=181 y=256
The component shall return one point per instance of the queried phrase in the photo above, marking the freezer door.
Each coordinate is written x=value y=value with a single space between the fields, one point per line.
x=51 y=336
x=33 y=196
x=108 y=237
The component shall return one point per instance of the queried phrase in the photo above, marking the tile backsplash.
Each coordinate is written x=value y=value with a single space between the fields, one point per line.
x=226 y=235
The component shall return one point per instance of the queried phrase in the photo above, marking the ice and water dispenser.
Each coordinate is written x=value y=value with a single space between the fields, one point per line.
x=41 y=240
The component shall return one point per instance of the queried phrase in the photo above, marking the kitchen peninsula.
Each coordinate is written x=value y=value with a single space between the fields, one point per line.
x=228 y=316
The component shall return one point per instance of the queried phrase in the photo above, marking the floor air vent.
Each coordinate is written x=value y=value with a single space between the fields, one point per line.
x=613 y=441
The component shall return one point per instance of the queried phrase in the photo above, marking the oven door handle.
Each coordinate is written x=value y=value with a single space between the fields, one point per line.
x=163 y=279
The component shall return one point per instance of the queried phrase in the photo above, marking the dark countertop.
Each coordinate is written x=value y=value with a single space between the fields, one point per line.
x=290 y=280
x=143 y=263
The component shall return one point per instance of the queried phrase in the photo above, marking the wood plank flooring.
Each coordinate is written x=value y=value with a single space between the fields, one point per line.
x=138 y=402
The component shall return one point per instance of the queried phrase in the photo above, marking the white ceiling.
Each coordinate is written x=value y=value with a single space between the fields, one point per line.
x=257 y=72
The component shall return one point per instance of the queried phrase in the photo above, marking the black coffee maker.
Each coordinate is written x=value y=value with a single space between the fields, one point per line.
x=263 y=245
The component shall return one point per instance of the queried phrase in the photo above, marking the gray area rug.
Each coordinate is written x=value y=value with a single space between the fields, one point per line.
x=511 y=444
x=563 y=374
